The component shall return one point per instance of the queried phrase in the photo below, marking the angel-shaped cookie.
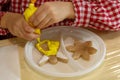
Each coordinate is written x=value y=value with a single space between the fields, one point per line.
x=51 y=52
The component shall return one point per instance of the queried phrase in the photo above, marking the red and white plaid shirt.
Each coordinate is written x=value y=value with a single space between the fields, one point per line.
x=97 y=14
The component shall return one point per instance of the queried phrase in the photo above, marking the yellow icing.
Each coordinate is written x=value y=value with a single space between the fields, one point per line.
x=28 y=13
x=52 y=45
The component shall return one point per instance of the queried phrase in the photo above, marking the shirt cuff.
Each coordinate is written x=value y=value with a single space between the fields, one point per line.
x=3 y=31
x=82 y=13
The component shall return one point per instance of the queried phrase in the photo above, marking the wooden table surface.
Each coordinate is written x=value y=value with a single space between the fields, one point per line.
x=108 y=70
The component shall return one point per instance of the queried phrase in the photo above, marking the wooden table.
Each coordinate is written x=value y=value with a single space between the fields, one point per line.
x=109 y=69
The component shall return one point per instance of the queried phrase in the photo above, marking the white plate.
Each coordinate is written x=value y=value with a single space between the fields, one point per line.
x=74 y=67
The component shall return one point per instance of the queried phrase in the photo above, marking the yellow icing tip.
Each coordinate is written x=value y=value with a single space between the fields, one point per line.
x=33 y=1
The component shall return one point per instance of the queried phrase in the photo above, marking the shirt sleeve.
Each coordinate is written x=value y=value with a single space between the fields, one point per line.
x=2 y=31
x=97 y=14
x=2 y=2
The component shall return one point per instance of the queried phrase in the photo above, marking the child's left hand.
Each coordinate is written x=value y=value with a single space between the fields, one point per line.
x=18 y=26
x=52 y=12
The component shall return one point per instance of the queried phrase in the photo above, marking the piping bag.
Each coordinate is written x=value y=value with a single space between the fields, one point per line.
x=52 y=45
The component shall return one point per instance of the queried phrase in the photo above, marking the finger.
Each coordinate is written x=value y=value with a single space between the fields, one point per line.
x=28 y=32
x=21 y=31
x=12 y=31
x=27 y=27
x=39 y=15
x=38 y=19
x=45 y=21
x=30 y=36
x=17 y=31
x=48 y=24
x=39 y=10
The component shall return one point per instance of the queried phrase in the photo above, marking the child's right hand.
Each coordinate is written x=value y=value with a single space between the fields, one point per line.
x=17 y=25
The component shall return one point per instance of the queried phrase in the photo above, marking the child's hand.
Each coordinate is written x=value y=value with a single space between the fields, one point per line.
x=52 y=12
x=17 y=25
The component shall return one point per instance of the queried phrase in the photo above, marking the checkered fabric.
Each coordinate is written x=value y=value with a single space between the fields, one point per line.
x=97 y=14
